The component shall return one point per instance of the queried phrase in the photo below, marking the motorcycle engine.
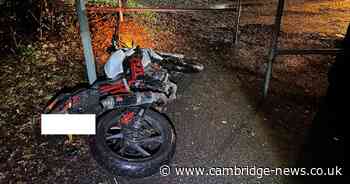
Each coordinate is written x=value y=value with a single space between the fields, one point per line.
x=158 y=78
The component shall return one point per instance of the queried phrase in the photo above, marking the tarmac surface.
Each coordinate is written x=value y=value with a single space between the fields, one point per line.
x=218 y=126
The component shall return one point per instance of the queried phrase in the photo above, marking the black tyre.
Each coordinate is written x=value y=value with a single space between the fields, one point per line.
x=192 y=66
x=182 y=65
x=113 y=150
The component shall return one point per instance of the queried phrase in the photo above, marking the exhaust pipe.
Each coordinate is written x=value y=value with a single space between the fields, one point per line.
x=129 y=100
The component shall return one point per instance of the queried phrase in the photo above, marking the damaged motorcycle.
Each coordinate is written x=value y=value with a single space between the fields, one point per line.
x=133 y=137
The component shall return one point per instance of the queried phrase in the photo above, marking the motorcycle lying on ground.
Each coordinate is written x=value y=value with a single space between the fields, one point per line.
x=133 y=137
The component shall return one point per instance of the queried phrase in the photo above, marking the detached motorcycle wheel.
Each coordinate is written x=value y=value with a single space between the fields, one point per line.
x=143 y=155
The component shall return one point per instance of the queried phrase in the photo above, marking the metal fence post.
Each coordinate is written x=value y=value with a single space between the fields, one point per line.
x=273 y=48
x=236 y=33
x=86 y=40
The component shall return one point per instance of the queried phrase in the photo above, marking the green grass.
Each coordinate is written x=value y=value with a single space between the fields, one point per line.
x=131 y=3
x=26 y=50
x=105 y=2
x=148 y=16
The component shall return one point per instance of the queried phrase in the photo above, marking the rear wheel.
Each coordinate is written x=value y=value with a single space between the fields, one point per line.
x=183 y=65
x=124 y=151
x=192 y=66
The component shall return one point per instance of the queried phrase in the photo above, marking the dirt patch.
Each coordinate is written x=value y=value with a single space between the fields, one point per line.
x=131 y=33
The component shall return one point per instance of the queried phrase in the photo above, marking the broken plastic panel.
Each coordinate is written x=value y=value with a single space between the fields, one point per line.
x=114 y=66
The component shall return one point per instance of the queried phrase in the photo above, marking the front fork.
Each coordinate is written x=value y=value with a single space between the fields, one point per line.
x=131 y=122
x=132 y=117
